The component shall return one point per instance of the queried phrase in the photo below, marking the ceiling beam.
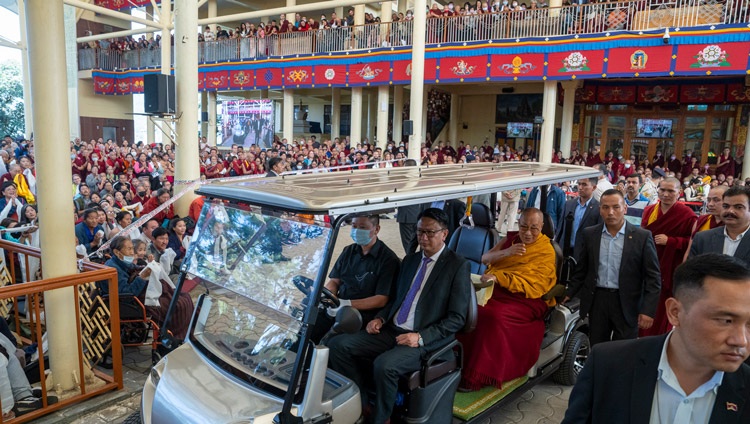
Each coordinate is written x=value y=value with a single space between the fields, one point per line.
x=279 y=10
x=114 y=14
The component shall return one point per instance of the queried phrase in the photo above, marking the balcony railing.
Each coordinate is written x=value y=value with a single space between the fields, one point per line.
x=22 y=302
x=589 y=18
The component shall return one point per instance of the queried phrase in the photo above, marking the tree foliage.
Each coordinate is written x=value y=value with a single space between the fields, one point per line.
x=11 y=99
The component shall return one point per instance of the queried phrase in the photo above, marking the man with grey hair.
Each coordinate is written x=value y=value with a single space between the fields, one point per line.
x=603 y=184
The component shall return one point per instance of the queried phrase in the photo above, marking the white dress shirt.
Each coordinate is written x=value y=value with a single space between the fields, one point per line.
x=730 y=245
x=409 y=324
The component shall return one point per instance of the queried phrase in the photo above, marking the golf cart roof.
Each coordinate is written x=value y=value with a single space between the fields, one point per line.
x=387 y=188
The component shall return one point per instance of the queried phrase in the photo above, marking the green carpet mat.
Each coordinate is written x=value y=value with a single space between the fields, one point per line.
x=468 y=405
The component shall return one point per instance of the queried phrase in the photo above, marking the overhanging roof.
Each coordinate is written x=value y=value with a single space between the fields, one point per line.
x=388 y=188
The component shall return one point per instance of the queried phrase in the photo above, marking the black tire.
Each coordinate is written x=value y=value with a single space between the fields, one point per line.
x=576 y=352
x=134 y=418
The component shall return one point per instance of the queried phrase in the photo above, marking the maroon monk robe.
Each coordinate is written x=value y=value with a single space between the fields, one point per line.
x=700 y=224
x=677 y=224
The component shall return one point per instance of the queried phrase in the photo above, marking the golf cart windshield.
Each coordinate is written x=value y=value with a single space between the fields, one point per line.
x=263 y=264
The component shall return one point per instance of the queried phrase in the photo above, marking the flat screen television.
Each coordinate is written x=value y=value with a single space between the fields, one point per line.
x=653 y=128
x=520 y=129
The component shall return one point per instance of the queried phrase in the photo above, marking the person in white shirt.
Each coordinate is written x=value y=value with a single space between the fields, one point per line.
x=603 y=184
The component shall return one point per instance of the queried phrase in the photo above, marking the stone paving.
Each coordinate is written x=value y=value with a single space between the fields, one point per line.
x=544 y=404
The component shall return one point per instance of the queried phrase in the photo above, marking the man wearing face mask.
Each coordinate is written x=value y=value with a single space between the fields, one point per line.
x=363 y=276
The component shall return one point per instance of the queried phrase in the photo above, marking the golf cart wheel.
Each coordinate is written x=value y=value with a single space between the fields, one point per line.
x=134 y=418
x=576 y=352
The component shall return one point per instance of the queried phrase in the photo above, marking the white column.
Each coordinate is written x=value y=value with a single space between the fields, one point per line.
x=211 y=12
x=46 y=42
x=166 y=49
x=398 y=117
x=27 y=104
x=455 y=119
x=549 y=100
x=288 y=116
x=71 y=65
x=746 y=159
x=382 y=114
x=211 y=137
x=356 y=120
x=151 y=132
x=204 y=109
x=417 y=80
x=401 y=7
x=566 y=127
x=335 y=112
x=386 y=10
x=372 y=106
x=187 y=167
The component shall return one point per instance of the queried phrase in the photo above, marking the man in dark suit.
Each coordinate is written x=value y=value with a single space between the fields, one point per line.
x=430 y=307
x=578 y=214
x=275 y=167
x=617 y=276
x=555 y=203
x=694 y=374
x=729 y=239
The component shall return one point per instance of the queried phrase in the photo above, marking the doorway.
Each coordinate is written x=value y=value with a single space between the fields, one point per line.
x=109 y=133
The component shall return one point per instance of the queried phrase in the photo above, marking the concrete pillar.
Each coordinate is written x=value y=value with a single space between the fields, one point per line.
x=211 y=129
x=187 y=167
x=27 y=104
x=204 y=109
x=455 y=119
x=150 y=132
x=416 y=98
x=166 y=50
x=335 y=113
x=339 y=11
x=398 y=108
x=71 y=66
x=566 y=127
x=549 y=107
x=288 y=115
x=386 y=10
x=372 y=107
x=554 y=6
x=382 y=115
x=401 y=7
x=359 y=14
x=46 y=41
x=211 y=12
x=356 y=120
x=746 y=159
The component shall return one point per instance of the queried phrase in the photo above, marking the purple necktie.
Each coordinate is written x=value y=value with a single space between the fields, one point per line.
x=403 y=313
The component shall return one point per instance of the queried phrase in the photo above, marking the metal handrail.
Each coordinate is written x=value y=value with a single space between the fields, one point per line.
x=590 y=18
x=33 y=292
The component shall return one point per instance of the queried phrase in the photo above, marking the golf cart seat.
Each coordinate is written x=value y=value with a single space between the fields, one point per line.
x=429 y=392
x=472 y=242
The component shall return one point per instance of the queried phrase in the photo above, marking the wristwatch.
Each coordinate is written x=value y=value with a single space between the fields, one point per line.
x=421 y=340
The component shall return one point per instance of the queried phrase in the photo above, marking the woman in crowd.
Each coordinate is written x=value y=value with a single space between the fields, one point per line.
x=29 y=217
x=178 y=238
x=143 y=167
x=122 y=220
x=10 y=204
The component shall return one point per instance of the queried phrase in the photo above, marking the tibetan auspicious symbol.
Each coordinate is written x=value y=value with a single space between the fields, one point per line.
x=658 y=94
x=241 y=78
x=575 y=62
x=329 y=74
x=137 y=84
x=462 y=69
x=268 y=76
x=103 y=84
x=516 y=66
x=711 y=56
x=215 y=81
x=123 y=86
x=638 y=60
x=297 y=75
x=368 y=73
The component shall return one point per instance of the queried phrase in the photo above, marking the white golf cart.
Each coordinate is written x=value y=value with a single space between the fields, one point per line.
x=262 y=253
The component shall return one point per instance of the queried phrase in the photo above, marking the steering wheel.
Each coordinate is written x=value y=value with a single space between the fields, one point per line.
x=304 y=284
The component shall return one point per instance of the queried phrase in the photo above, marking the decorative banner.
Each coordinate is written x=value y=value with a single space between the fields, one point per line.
x=712 y=58
x=136 y=85
x=367 y=73
x=738 y=93
x=516 y=66
x=702 y=93
x=327 y=75
x=639 y=60
x=570 y=65
x=201 y=81
x=430 y=70
x=241 y=79
x=298 y=76
x=123 y=4
x=402 y=71
x=269 y=77
x=122 y=86
x=658 y=94
x=218 y=80
x=463 y=68
x=615 y=94
x=104 y=85
x=586 y=94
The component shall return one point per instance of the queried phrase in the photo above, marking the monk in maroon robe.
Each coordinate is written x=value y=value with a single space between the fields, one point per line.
x=671 y=224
